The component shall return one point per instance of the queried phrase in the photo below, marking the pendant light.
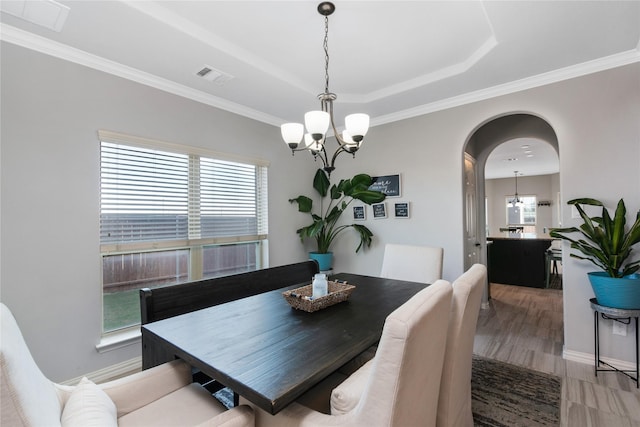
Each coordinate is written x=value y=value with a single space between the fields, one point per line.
x=317 y=122
x=516 y=199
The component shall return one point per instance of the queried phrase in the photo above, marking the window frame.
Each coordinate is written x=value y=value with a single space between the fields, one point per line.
x=508 y=200
x=196 y=244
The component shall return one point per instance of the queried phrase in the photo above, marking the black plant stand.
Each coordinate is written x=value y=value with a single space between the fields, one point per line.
x=617 y=315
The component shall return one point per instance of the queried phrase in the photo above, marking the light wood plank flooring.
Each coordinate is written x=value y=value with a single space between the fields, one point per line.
x=524 y=326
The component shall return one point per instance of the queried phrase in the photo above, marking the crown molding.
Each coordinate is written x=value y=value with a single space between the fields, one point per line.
x=585 y=68
x=452 y=70
x=489 y=43
x=40 y=44
x=46 y=46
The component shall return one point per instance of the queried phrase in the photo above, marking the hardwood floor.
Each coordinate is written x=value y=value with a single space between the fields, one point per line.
x=524 y=326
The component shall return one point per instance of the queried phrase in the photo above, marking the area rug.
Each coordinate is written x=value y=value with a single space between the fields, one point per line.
x=505 y=395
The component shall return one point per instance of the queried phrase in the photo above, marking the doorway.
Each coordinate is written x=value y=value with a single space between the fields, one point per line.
x=479 y=146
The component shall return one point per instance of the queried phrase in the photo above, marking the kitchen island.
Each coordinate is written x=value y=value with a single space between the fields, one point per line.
x=518 y=259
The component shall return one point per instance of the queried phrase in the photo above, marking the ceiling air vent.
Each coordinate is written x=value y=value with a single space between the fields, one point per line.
x=213 y=75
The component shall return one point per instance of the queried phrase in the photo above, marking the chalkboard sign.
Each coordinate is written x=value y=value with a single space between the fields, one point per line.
x=359 y=213
x=388 y=185
x=402 y=210
x=379 y=210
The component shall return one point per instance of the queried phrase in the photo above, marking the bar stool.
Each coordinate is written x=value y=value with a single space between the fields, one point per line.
x=552 y=256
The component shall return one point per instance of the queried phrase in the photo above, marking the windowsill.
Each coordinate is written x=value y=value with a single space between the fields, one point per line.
x=115 y=340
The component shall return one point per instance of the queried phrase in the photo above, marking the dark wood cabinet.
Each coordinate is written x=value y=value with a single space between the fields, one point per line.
x=517 y=261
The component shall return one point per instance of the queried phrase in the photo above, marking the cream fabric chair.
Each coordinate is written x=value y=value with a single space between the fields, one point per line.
x=402 y=387
x=402 y=262
x=413 y=263
x=161 y=396
x=454 y=406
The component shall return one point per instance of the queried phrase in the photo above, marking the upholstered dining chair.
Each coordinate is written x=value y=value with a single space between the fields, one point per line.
x=454 y=405
x=412 y=263
x=402 y=386
x=402 y=262
x=163 y=395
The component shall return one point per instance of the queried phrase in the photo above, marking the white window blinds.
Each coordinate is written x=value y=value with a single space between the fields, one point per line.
x=144 y=194
x=158 y=197
x=228 y=200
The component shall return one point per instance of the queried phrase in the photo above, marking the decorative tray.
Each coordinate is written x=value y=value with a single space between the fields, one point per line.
x=300 y=298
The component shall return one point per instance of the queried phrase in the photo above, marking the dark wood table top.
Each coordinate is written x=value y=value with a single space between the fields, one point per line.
x=270 y=353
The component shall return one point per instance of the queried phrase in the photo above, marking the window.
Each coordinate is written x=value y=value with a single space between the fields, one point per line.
x=171 y=214
x=523 y=214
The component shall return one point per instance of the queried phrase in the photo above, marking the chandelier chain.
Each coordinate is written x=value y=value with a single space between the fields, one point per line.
x=318 y=122
x=326 y=54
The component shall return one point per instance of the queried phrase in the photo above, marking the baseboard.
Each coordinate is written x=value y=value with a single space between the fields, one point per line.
x=589 y=359
x=112 y=372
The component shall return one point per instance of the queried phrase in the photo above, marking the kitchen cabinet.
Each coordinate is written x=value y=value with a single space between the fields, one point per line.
x=517 y=260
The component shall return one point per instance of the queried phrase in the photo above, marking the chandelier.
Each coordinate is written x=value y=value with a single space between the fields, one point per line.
x=317 y=122
x=516 y=201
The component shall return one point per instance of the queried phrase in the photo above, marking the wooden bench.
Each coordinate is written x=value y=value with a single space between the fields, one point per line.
x=162 y=303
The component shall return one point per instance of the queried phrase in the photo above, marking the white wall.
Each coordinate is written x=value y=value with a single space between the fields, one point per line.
x=541 y=186
x=427 y=153
x=49 y=176
x=50 y=265
x=597 y=121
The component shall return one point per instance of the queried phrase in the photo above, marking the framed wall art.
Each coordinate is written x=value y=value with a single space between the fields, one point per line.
x=401 y=209
x=379 y=210
x=359 y=213
x=388 y=185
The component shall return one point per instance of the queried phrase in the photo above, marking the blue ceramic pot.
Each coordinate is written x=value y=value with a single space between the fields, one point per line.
x=623 y=292
x=325 y=261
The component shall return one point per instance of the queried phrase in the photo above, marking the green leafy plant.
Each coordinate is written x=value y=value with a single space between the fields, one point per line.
x=324 y=228
x=607 y=243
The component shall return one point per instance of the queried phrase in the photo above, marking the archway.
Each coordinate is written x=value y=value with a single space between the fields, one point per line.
x=479 y=145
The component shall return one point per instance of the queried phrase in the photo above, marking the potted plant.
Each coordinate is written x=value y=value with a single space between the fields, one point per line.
x=324 y=228
x=607 y=243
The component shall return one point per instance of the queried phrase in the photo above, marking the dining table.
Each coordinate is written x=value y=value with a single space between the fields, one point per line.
x=271 y=353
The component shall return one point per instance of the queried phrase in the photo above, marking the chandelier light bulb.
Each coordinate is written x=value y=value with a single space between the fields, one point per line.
x=313 y=145
x=292 y=134
x=317 y=123
x=357 y=125
x=350 y=145
x=346 y=137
